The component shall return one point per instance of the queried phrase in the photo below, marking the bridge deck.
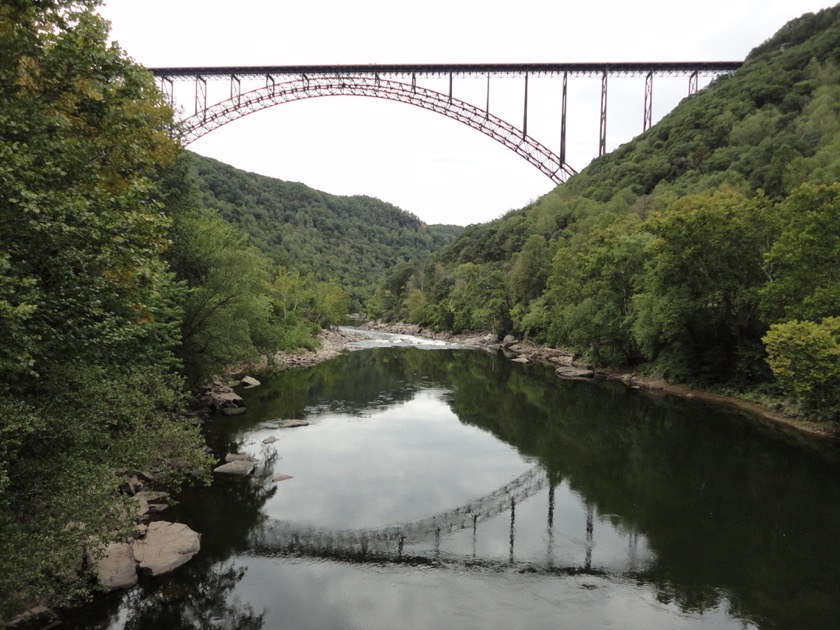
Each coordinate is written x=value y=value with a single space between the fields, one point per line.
x=457 y=70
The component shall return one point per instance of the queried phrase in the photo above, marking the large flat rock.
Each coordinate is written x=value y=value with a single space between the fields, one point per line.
x=573 y=372
x=291 y=424
x=222 y=399
x=237 y=468
x=117 y=569
x=166 y=547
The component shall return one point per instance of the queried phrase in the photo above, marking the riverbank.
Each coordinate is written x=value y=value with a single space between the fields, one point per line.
x=332 y=343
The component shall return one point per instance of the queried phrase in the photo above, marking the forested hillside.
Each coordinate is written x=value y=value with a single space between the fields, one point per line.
x=353 y=241
x=705 y=250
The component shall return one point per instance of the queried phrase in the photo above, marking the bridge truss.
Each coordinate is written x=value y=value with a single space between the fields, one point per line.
x=398 y=82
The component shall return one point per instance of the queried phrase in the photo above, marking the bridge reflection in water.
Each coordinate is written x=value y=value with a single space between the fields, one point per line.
x=420 y=542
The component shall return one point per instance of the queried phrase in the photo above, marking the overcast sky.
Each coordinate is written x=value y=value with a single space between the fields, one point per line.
x=436 y=168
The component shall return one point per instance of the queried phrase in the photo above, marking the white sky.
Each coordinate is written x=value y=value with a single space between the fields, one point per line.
x=436 y=168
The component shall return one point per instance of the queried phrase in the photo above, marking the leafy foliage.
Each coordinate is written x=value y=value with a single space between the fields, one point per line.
x=805 y=357
x=89 y=310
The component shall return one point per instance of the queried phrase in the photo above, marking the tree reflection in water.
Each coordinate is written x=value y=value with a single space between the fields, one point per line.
x=206 y=604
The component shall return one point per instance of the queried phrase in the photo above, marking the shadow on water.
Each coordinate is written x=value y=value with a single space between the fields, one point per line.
x=735 y=513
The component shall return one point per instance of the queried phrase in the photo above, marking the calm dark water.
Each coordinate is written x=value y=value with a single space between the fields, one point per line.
x=453 y=489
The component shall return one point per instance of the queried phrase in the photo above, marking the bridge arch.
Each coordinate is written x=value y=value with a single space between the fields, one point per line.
x=240 y=105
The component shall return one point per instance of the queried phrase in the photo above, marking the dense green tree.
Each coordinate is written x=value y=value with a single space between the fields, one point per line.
x=84 y=137
x=590 y=300
x=805 y=358
x=228 y=315
x=804 y=260
x=89 y=312
x=698 y=311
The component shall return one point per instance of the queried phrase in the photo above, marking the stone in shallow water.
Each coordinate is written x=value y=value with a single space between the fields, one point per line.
x=166 y=547
x=281 y=477
x=238 y=467
x=573 y=372
x=249 y=382
x=270 y=440
x=290 y=424
x=117 y=569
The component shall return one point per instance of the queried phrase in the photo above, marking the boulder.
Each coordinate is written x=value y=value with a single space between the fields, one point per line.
x=270 y=440
x=290 y=424
x=520 y=360
x=224 y=399
x=134 y=485
x=249 y=381
x=166 y=547
x=117 y=569
x=236 y=468
x=508 y=341
x=566 y=360
x=142 y=506
x=573 y=372
x=281 y=477
x=233 y=411
x=239 y=457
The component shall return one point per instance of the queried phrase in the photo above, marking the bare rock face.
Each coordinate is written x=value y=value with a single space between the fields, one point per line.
x=117 y=569
x=166 y=547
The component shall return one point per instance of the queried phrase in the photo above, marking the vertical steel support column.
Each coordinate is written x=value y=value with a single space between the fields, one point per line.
x=648 y=114
x=525 y=114
x=563 y=119
x=550 y=536
x=235 y=89
x=692 y=83
x=602 y=144
x=450 y=88
x=269 y=80
x=475 y=534
x=201 y=97
x=413 y=83
x=512 y=526
x=487 y=107
x=167 y=88
x=590 y=529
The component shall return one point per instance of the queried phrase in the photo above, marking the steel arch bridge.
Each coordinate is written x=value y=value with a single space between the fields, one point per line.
x=284 y=84
x=502 y=132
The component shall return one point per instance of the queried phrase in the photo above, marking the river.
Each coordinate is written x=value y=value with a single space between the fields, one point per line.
x=438 y=487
